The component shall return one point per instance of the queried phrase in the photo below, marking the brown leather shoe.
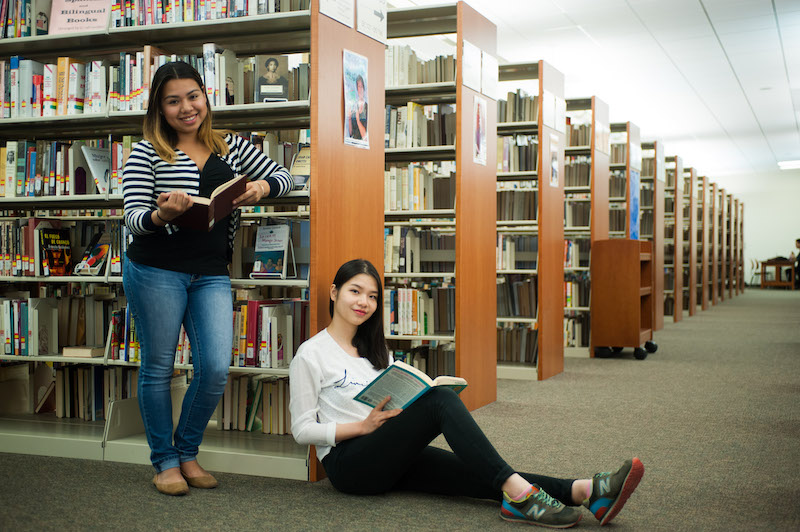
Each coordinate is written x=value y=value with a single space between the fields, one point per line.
x=171 y=488
x=206 y=481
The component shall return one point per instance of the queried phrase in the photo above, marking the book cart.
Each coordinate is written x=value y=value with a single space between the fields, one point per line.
x=653 y=219
x=689 y=295
x=624 y=194
x=586 y=164
x=345 y=214
x=722 y=250
x=673 y=238
x=713 y=238
x=473 y=221
x=703 y=247
x=547 y=182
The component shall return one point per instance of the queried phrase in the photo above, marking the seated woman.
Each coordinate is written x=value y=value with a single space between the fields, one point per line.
x=371 y=451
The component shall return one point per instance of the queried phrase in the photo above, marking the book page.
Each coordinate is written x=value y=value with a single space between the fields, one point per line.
x=403 y=386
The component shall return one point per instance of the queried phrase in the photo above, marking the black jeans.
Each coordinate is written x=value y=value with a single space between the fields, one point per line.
x=397 y=456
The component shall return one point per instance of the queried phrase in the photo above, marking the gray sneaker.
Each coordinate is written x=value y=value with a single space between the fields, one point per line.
x=539 y=508
x=611 y=490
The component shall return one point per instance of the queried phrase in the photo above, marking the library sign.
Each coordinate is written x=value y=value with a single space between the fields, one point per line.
x=70 y=16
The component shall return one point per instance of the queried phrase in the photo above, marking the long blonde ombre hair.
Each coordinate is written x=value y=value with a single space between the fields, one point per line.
x=159 y=133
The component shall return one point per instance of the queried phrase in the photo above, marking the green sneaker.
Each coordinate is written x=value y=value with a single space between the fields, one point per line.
x=611 y=490
x=539 y=508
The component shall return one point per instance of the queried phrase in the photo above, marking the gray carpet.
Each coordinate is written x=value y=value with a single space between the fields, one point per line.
x=713 y=415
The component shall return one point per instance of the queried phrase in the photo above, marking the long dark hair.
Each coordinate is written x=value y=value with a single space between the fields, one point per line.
x=369 y=340
x=159 y=132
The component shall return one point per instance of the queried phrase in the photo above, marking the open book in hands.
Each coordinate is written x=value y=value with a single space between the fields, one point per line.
x=405 y=384
x=205 y=212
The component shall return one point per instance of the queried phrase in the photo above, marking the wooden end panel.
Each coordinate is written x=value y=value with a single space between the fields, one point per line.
x=677 y=314
x=615 y=297
x=658 y=236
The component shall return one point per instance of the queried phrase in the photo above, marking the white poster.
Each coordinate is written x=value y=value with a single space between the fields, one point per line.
x=479 y=137
x=371 y=19
x=472 y=66
x=356 y=100
x=554 y=160
x=343 y=11
x=489 y=75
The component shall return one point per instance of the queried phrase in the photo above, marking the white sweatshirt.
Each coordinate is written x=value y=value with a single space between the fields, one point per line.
x=324 y=379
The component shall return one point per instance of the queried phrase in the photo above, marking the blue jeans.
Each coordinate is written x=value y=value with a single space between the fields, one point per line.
x=160 y=301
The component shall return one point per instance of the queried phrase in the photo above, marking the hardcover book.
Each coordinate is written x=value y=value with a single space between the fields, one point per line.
x=206 y=212
x=56 y=252
x=405 y=384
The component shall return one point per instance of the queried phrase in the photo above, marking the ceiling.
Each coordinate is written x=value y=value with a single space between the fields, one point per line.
x=717 y=80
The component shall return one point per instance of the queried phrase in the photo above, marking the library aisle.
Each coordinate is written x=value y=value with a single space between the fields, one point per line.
x=713 y=416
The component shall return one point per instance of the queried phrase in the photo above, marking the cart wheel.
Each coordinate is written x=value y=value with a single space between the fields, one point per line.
x=651 y=347
x=639 y=353
x=602 y=352
x=616 y=349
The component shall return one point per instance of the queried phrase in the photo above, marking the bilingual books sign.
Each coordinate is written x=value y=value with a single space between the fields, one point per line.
x=273 y=251
x=71 y=16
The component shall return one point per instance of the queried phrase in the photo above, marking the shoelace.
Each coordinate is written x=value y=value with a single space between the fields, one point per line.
x=546 y=499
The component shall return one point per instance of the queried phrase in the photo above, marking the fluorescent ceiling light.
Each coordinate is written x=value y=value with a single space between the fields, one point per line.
x=789 y=165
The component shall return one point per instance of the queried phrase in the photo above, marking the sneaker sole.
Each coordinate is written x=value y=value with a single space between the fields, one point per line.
x=536 y=523
x=631 y=481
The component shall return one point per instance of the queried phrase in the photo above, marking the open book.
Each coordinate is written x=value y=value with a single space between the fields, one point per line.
x=205 y=212
x=405 y=384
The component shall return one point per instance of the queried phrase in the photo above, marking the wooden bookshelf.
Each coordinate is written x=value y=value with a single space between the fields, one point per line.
x=673 y=238
x=722 y=250
x=713 y=239
x=652 y=214
x=589 y=112
x=740 y=241
x=475 y=186
x=703 y=247
x=625 y=162
x=550 y=128
x=689 y=295
x=730 y=246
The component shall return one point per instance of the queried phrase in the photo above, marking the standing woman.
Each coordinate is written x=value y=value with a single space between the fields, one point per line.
x=175 y=276
x=369 y=451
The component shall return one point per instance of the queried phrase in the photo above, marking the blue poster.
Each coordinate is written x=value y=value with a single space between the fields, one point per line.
x=633 y=192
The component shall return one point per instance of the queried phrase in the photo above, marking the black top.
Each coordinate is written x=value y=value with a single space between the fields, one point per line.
x=187 y=250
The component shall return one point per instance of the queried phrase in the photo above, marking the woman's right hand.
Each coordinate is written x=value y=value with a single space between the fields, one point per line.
x=379 y=416
x=173 y=204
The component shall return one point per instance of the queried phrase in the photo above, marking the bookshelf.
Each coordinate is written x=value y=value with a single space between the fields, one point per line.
x=624 y=196
x=653 y=216
x=730 y=245
x=673 y=238
x=689 y=296
x=549 y=229
x=475 y=189
x=345 y=207
x=586 y=189
x=722 y=252
x=704 y=214
x=713 y=238
x=740 y=243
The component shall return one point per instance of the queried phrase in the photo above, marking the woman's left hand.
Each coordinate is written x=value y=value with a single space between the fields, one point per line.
x=253 y=194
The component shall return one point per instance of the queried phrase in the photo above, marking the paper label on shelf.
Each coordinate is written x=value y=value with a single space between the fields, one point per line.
x=554 y=160
x=371 y=19
x=489 y=75
x=471 y=61
x=343 y=11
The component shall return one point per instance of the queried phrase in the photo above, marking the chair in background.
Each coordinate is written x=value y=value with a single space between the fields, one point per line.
x=755 y=269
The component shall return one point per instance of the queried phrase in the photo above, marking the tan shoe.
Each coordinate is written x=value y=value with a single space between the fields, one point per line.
x=171 y=488
x=206 y=481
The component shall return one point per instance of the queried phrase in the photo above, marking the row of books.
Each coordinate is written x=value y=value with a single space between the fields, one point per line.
x=517 y=153
x=419 y=186
x=617 y=184
x=516 y=203
x=415 y=126
x=404 y=248
x=433 y=358
x=618 y=153
x=576 y=330
x=577 y=213
x=517 y=296
x=579 y=135
x=518 y=107
x=576 y=291
x=516 y=251
x=646 y=192
x=419 y=311
x=149 y=12
x=403 y=67
x=648 y=163
x=577 y=170
x=576 y=252
x=617 y=217
x=518 y=343
x=85 y=391
x=255 y=404
x=646 y=223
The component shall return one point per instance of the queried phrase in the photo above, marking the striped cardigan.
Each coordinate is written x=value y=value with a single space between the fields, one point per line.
x=146 y=175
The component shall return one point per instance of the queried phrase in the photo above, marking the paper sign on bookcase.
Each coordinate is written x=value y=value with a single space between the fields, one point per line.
x=70 y=16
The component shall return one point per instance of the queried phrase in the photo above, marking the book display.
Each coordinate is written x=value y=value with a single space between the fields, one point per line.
x=704 y=249
x=673 y=238
x=586 y=207
x=689 y=296
x=530 y=268
x=624 y=190
x=338 y=217
x=460 y=270
x=653 y=220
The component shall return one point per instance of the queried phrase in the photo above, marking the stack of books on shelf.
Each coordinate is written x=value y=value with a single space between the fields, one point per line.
x=125 y=14
x=417 y=126
x=419 y=310
x=254 y=403
x=518 y=107
x=419 y=187
x=403 y=67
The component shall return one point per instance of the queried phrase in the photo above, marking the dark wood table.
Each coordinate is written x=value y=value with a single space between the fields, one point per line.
x=778 y=264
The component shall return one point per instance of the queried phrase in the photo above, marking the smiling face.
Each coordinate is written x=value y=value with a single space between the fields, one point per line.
x=356 y=300
x=184 y=106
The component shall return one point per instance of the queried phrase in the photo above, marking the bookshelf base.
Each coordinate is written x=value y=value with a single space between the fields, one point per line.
x=520 y=372
x=577 y=352
x=47 y=435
